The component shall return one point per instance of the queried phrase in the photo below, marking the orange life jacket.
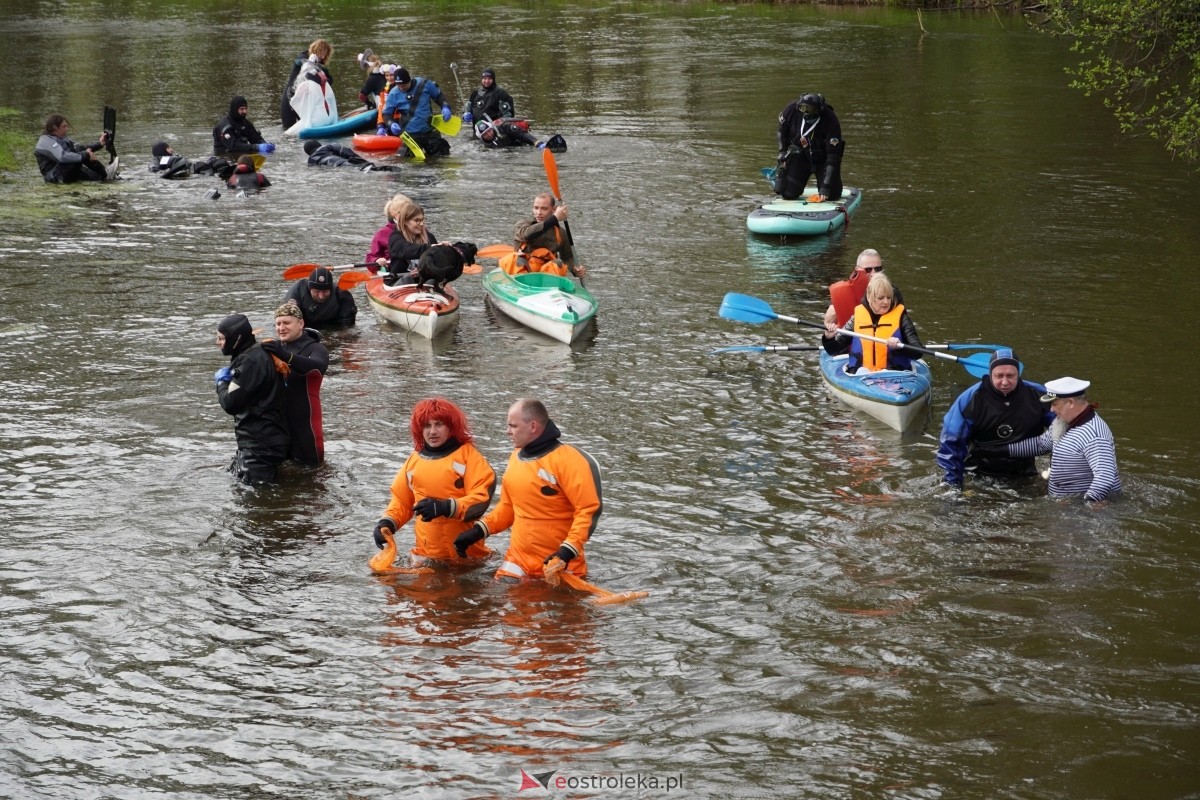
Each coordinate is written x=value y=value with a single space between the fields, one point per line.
x=875 y=354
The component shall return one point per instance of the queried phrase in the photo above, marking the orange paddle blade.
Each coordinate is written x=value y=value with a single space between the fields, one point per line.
x=297 y=271
x=552 y=572
x=351 y=279
x=551 y=172
x=383 y=560
x=494 y=251
x=472 y=269
x=603 y=596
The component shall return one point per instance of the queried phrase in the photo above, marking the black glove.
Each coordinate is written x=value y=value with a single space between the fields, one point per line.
x=564 y=552
x=474 y=534
x=384 y=524
x=430 y=508
x=276 y=348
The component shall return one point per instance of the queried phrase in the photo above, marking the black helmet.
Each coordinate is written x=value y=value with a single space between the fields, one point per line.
x=814 y=100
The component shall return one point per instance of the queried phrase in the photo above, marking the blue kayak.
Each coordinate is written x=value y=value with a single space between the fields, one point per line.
x=802 y=218
x=897 y=398
x=343 y=127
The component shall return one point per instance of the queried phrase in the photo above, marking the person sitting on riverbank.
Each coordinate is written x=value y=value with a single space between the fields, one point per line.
x=880 y=317
x=61 y=160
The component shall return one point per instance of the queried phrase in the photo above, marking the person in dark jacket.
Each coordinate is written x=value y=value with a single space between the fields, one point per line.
x=234 y=134
x=488 y=102
x=408 y=242
x=322 y=303
x=810 y=143
x=251 y=391
x=307 y=361
x=61 y=160
x=375 y=82
x=167 y=164
x=987 y=417
x=337 y=155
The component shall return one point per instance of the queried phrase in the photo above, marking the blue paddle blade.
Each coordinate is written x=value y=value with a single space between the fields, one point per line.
x=744 y=308
x=769 y=174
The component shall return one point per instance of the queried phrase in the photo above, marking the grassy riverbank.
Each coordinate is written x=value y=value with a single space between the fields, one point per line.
x=11 y=141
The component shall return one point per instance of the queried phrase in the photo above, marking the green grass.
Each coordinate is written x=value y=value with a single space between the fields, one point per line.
x=12 y=142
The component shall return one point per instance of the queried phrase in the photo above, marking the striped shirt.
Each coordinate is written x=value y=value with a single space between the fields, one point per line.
x=1084 y=460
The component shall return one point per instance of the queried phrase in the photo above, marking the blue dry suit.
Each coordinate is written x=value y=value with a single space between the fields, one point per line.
x=983 y=422
x=413 y=106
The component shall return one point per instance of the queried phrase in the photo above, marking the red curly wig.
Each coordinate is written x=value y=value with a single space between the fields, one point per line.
x=439 y=408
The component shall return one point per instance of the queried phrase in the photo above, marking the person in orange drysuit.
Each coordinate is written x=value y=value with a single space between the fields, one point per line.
x=550 y=497
x=446 y=483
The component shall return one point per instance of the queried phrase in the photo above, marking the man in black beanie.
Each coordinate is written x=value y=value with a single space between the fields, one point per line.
x=234 y=134
x=323 y=304
x=250 y=389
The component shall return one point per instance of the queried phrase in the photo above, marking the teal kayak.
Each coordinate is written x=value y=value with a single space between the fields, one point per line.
x=343 y=127
x=550 y=304
x=802 y=218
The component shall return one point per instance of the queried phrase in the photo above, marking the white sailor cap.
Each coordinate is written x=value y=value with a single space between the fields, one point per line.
x=1064 y=387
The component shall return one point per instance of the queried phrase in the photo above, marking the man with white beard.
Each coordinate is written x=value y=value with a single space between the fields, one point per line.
x=1084 y=457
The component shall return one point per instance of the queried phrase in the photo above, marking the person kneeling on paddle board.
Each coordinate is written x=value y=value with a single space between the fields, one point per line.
x=810 y=143
x=550 y=497
x=882 y=318
x=540 y=243
x=446 y=484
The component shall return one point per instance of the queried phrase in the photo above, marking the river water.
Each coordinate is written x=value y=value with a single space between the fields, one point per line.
x=824 y=621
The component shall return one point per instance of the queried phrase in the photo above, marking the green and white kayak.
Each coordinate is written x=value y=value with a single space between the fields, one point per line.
x=802 y=218
x=550 y=304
